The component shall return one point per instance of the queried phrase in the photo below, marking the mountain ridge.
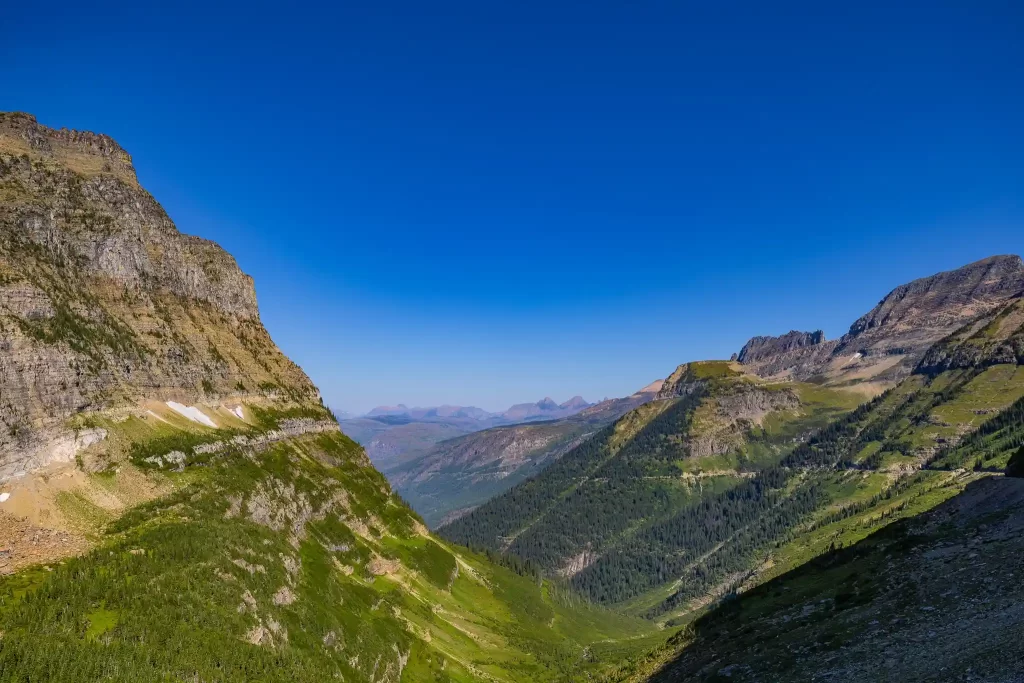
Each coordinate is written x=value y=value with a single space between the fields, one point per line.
x=887 y=342
x=178 y=503
x=753 y=459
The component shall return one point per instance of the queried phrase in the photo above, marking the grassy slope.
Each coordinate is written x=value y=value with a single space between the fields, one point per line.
x=302 y=549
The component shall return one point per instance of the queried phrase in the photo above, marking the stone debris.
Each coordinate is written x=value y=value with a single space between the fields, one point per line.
x=284 y=596
x=23 y=544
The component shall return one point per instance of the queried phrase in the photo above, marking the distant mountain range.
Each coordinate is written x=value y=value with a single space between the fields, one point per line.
x=458 y=474
x=416 y=447
x=396 y=435
x=544 y=409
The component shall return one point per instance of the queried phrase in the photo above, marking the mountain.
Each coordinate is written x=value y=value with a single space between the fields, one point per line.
x=433 y=413
x=544 y=409
x=461 y=473
x=711 y=429
x=397 y=437
x=731 y=478
x=575 y=404
x=887 y=342
x=105 y=303
x=177 y=503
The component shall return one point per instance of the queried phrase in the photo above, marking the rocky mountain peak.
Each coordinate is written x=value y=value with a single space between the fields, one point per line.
x=888 y=342
x=574 y=403
x=652 y=388
x=949 y=297
x=83 y=151
x=759 y=348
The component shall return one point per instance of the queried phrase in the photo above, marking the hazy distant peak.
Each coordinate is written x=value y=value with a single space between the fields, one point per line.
x=652 y=388
x=400 y=409
x=574 y=403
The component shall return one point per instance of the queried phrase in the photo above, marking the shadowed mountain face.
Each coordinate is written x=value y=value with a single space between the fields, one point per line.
x=937 y=597
x=887 y=343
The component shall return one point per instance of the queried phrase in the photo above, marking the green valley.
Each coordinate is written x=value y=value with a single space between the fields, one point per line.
x=179 y=504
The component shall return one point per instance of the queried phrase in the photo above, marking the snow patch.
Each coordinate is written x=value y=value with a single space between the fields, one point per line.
x=192 y=413
x=237 y=410
x=4 y=496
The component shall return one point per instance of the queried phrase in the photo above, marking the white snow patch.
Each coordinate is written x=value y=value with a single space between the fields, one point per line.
x=237 y=410
x=4 y=496
x=192 y=413
x=857 y=355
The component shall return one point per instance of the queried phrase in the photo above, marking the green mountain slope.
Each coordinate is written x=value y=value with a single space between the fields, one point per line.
x=289 y=560
x=177 y=502
x=729 y=479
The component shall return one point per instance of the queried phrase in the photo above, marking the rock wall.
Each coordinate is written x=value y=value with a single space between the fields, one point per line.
x=103 y=302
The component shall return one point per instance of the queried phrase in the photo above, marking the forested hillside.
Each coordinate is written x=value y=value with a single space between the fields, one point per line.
x=597 y=515
x=728 y=480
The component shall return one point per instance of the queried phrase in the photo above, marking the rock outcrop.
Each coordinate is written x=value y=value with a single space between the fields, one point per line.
x=891 y=339
x=104 y=302
x=760 y=348
x=992 y=339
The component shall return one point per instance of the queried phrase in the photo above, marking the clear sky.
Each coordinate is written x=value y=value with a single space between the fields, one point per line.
x=485 y=203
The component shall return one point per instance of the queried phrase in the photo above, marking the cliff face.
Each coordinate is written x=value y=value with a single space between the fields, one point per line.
x=760 y=348
x=889 y=341
x=995 y=338
x=104 y=303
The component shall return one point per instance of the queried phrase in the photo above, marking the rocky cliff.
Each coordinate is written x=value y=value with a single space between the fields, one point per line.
x=103 y=302
x=760 y=348
x=890 y=340
x=994 y=338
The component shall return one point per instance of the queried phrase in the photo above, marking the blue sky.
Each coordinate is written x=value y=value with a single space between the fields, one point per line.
x=486 y=203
